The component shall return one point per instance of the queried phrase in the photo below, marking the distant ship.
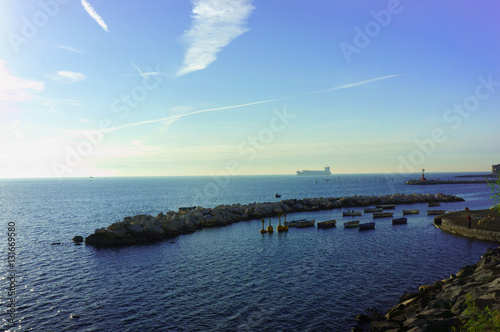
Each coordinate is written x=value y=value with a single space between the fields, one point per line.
x=326 y=171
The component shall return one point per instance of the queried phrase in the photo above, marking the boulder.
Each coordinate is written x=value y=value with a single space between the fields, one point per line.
x=78 y=239
x=101 y=237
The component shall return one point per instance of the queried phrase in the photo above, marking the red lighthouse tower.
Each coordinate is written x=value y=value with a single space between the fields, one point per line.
x=423 y=177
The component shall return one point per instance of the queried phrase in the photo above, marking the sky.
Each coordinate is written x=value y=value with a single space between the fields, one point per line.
x=242 y=87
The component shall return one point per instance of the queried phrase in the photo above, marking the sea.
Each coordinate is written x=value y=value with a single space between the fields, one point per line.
x=228 y=278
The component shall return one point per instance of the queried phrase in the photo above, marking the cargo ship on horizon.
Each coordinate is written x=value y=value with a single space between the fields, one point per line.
x=326 y=171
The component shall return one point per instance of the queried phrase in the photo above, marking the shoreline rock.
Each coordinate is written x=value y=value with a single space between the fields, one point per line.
x=441 y=306
x=147 y=229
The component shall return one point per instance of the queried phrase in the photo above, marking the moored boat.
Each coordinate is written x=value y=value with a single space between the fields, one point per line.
x=430 y=204
x=351 y=213
x=300 y=223
x=327 y=224
x=411 y=211
x=277 y=195
x=399 y=221
x=386 y=206
x=351 y=224
x=435 y=212
x=365 y=226
x=383 y=214
x=371 y=210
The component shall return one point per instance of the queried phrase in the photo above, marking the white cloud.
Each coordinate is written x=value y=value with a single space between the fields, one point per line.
x=67 y=77
x=215 y=24
x=90 y=10
x=16 y=89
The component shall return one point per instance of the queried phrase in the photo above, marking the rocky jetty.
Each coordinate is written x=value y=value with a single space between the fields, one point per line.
x=430 y=182
x=441 y=306
x=147 y=229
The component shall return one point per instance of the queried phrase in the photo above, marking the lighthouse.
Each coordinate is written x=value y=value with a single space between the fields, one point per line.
x=423 y=177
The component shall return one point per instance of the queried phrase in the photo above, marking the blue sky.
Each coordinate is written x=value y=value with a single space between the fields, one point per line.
x=160 y=88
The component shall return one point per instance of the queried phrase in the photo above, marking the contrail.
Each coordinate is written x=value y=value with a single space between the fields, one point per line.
x=176 y=117
x=352 y=85
x=90 y=10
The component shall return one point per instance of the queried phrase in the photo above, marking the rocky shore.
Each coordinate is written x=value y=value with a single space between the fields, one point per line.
x=147 y=229
x=441 y=306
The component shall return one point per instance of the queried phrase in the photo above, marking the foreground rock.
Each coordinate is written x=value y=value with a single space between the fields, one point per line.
x=147 y=229
x=441 y=306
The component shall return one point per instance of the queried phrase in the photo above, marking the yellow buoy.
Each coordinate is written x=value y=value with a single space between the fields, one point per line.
x=269 y=228
x=262 y=231
x=279 y=228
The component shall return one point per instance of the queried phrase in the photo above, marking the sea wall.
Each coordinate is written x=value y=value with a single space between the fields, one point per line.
x=485 y=224
x=146 y=228
x=441 y=306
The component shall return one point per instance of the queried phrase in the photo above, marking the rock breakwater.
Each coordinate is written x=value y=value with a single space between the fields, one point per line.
x=146 y=228
x=431 y=182
x=441 y=306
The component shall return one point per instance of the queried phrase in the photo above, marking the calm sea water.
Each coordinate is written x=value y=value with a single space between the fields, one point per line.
x=221 y=279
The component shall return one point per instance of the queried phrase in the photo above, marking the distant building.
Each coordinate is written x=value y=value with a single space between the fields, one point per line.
x=495 y=169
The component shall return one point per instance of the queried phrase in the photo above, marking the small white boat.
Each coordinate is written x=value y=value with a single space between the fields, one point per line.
x=383 y=215
x=386 y=206
x=371 y=210
x=399 y=221
x=435 y=212
x=300 y=223
x=327 y=224
x=365 y=226
x=351 y=224
x=351 y=213
x=411 y=211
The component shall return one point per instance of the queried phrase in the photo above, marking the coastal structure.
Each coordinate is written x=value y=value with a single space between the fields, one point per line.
x=495 y=169
x=326 y=171
x=147 y=229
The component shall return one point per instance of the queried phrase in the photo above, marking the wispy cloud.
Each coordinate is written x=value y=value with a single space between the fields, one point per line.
x=69 y=48
x=90 y=10
x=67 y=77
x=16 y=89
x=172 y=118
x=54 y=104
x=215 y=24
x=145 y=74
